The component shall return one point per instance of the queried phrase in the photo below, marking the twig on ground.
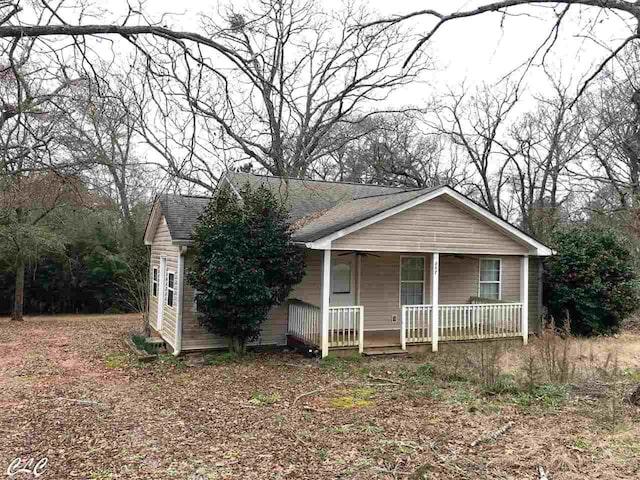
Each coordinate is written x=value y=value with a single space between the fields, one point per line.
x=492 y=435
x=542 y=473
x=382 y=379
x=306 y=394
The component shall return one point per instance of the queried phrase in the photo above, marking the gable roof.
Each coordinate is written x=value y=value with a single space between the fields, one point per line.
x=324 y=211
x=181 y=213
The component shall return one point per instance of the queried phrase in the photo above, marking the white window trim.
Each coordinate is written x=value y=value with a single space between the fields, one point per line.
x=333 y=276
x=499 y=282
x=155 y=280
x=169 y=289
x=424 y=277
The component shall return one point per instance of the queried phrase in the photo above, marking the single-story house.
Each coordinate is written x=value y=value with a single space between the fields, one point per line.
x=385 y=267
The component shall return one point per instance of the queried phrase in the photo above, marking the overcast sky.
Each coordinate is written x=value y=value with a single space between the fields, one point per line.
x=474 y=50
x=479 y=49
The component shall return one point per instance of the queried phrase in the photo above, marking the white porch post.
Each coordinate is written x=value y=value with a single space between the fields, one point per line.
x=524 y=296
x=435 y=285
x=325 y=292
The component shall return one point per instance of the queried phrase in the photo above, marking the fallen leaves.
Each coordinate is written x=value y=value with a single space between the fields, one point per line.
x=71 y=392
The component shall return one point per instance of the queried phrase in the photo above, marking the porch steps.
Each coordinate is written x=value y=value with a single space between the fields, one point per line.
x=373 y=351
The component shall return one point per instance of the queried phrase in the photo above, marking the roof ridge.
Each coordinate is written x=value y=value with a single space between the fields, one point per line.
x=181 y=195
x=409 y=190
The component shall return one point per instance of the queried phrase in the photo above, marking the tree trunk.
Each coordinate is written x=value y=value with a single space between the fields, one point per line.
x=237 y=346
x=18 y=306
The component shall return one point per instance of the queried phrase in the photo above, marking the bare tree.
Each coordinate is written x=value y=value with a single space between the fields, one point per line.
x=99 y=132
x=613 y=10
x=34 y=178
x=475 y=124
x=296 y=75
x=393 y=149
x=613 y=134
x=544 y=144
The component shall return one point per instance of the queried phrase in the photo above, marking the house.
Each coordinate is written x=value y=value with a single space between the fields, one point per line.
x=385 y=267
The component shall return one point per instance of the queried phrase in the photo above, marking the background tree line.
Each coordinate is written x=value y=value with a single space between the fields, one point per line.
x=97 y=117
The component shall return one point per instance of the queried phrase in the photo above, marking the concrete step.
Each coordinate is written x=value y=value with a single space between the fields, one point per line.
x=385 y=351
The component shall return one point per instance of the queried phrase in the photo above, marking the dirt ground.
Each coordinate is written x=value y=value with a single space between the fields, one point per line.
x=71 y=392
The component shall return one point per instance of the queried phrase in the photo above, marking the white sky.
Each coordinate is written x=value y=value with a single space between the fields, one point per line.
x=478 y=49
x=475 y=50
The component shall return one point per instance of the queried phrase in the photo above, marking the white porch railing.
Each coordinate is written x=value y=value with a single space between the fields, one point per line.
x=304 y=322
x=460 y=322
x=346 y=327
x=416 y=324
x=487 y=320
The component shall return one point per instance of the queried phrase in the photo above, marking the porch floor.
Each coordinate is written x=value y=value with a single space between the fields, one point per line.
x=372 y=339
x=391 y=338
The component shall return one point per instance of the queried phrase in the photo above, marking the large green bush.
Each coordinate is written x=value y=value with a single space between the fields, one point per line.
x=245 y=263
x=591 y=281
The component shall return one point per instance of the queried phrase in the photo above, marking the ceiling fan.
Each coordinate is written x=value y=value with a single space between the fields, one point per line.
x=358 y=254
x=457 y=255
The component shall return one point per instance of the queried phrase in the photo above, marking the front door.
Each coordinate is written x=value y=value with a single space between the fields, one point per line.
x=342 y=281
x=161 y=285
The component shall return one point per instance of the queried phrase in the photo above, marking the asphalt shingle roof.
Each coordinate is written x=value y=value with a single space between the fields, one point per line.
x=182 y=213
x=316 y=208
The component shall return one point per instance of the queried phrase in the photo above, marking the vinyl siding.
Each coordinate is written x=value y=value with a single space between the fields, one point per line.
x=274 y=329
x=379 y=294
x=437 y=225
x=161 y=246
x=534 y=295
x=459 y=279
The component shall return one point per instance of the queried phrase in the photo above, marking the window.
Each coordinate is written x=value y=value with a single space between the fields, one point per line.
x=490 y=278
x=341 y=281
x=170 y=289
x=155 y=281
x=411 y=280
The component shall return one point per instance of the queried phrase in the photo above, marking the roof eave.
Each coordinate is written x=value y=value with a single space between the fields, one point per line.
x=182 y=243
x=535 y=248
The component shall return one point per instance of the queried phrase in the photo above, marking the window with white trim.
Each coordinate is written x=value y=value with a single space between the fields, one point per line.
x=412 y=280
x=154 y=281
x=490 y=278
x=170 y=289
x=341 y=278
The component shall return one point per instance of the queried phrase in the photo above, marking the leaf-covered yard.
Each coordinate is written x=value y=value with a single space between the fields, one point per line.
x=73 y=393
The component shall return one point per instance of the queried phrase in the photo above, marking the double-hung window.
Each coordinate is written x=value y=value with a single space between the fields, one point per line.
x=341 y=281
x=412 y=280
x=490 y=278
x=170 y=289
x=155 y=282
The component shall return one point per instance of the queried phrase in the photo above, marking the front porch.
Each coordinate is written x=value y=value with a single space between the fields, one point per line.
x=338 y=327
x=474 y=321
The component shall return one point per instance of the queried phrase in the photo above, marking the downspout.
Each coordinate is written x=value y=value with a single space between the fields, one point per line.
x=178 y=346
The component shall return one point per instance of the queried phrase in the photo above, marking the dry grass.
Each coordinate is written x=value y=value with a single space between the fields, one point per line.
x=382 y=418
